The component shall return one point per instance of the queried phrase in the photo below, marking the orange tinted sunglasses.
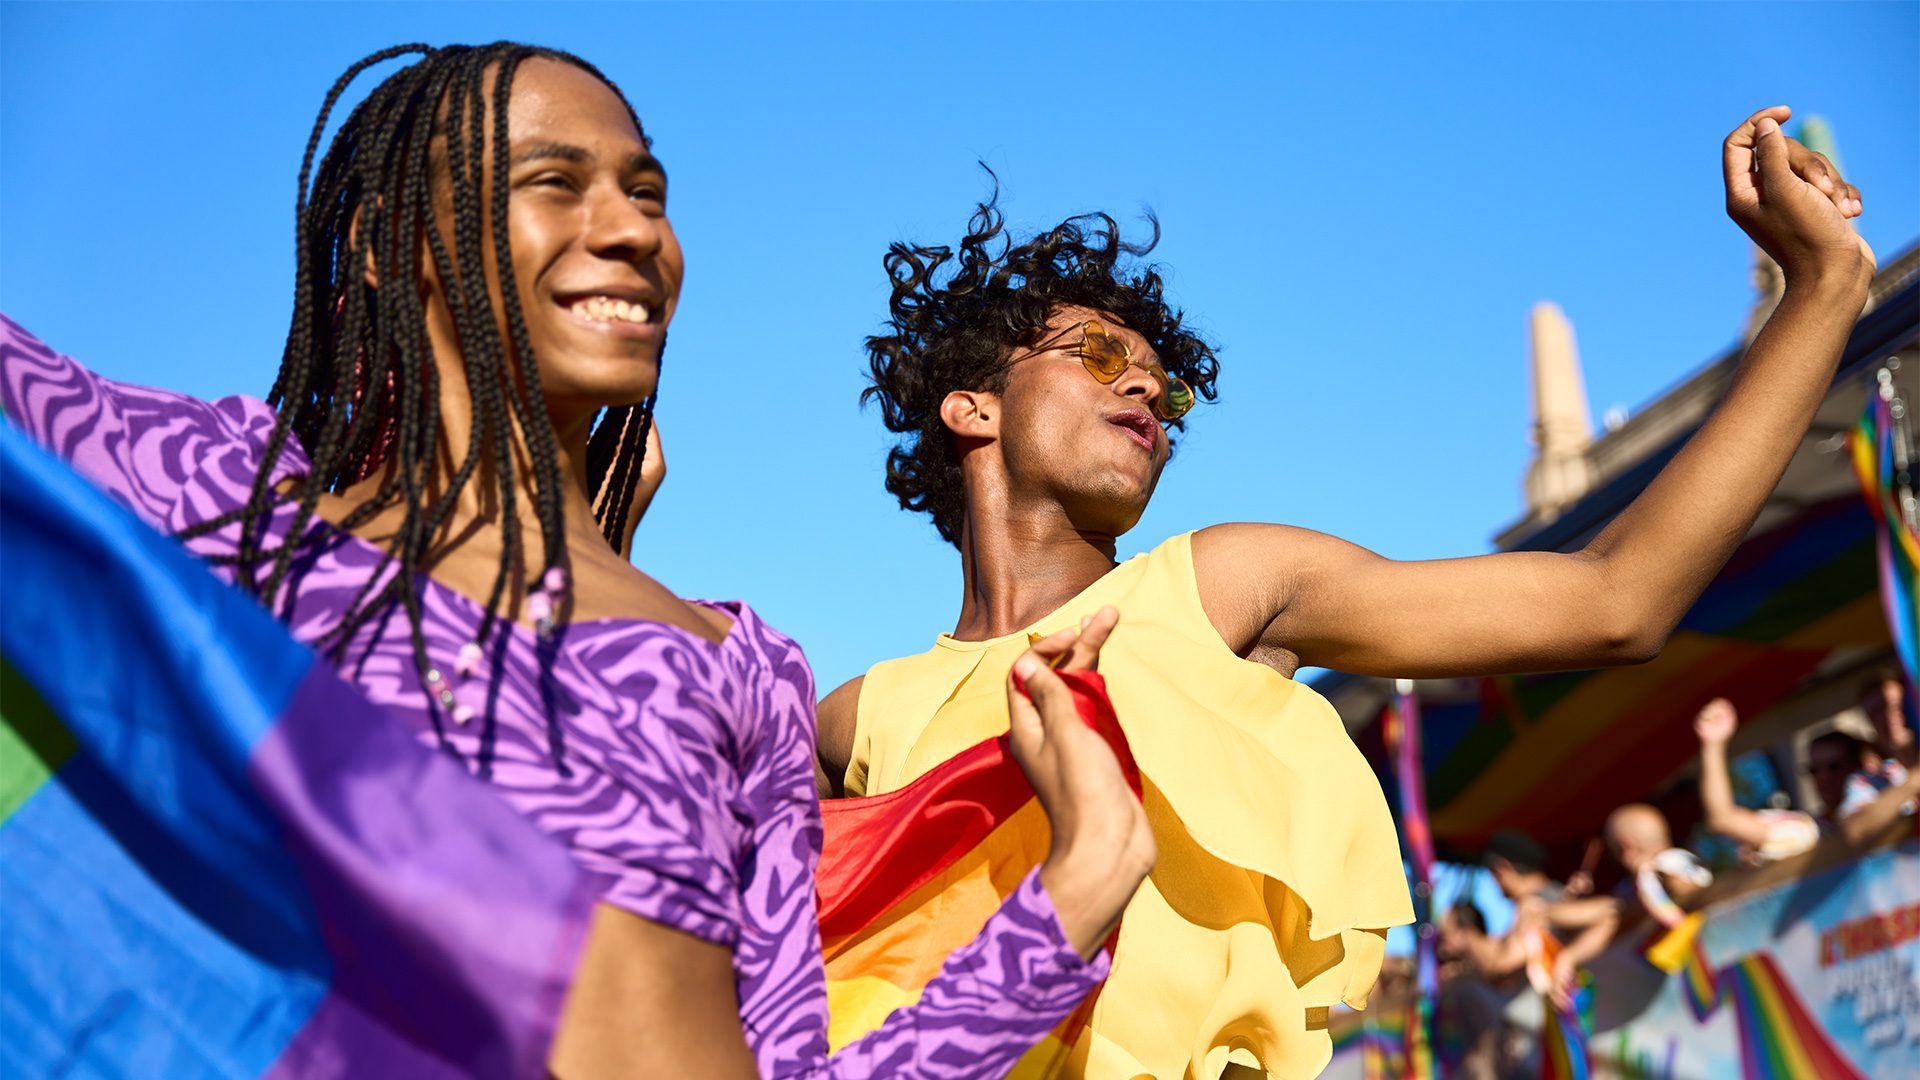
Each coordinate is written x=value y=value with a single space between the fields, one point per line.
x=1106 y=358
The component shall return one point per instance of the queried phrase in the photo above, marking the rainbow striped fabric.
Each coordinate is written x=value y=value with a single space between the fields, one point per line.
x=1875 y=463
x=1779 y=1038
x=216 y=858
x=929 y=863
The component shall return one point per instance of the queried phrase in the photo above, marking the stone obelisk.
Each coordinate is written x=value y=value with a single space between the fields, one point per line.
x=1561 y=472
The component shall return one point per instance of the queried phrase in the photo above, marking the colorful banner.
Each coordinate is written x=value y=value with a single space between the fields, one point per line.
x=1818 y=977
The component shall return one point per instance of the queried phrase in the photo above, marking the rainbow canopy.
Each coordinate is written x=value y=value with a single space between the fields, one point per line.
x=1552 y=754
x=216 y=858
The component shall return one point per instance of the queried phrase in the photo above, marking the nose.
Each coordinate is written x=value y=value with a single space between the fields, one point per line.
x=620 y=228
x=1138 y=384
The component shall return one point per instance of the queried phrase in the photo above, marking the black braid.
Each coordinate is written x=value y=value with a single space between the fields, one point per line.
x=357 y=385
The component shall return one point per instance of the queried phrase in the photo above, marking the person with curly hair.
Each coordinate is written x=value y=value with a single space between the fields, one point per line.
x=1036 y=387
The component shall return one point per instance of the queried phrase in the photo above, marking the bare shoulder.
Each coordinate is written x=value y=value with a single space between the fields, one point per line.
x=1237 y=543
x=1248 y=573
x=839 y=715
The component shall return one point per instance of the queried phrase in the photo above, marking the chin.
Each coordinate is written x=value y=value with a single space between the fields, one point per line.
x=615 y=380
x=1103 y=515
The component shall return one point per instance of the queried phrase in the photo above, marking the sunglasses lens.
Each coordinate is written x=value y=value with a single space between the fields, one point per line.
x=1104 y=355
x=1176 y=397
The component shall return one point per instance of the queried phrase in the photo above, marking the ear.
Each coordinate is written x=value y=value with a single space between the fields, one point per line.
x=972 y=414
x=372 y=272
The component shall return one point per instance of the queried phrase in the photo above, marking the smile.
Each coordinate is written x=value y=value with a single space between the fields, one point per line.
x=611 y=309
x=619 y=316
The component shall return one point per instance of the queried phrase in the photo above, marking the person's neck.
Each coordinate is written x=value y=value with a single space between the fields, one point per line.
x=478 y=507
x=1020 y=565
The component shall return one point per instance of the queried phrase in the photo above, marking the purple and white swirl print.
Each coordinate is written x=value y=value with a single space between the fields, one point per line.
x=689 y=786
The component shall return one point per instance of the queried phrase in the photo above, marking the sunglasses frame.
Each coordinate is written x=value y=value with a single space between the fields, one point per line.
x=1106 y=372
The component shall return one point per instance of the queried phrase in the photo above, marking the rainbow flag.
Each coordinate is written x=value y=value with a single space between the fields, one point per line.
x=1563 y=1031
x=216 y=858
x=1883 y=482
x=1563 y=1038
x=908 y=877
x=1677 y=945
x=1384 y=1038
x=1779 y=1038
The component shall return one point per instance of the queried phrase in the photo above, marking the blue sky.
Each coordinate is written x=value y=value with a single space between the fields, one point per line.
x=1360 y=204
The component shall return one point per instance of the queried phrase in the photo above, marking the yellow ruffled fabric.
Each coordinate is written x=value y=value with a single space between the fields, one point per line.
x=1279 y=869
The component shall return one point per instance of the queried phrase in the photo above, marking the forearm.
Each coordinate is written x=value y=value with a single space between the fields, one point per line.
x=1497 y=957
x=1590 y=942
x=1659 y=554
x=1723 y=815
x=1870 y=821
x=1582 y=913
x=1716 y=786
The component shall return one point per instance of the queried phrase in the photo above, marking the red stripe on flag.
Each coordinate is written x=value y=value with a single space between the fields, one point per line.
x=879 y=848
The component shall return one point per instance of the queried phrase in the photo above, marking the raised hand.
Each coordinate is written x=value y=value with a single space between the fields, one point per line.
x=1101 y=845
x=1716 y=722
x=1792 y=201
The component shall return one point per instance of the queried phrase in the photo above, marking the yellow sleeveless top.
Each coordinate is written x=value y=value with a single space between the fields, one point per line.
x=1279 y=866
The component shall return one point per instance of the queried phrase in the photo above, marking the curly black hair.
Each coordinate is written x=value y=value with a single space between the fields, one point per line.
x=956 y=331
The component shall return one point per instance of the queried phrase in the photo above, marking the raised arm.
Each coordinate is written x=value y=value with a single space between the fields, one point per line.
x=137 y=444
x=1871 y=821
x=1715 y=725
x=1616 y=600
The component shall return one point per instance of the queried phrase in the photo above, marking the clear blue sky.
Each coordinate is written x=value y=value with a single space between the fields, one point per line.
x=1360 y=203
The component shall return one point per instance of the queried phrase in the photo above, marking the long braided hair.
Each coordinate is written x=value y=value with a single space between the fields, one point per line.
x=357 y=384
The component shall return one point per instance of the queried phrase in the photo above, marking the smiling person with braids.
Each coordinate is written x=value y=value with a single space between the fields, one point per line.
x=485 y=273
x=1035 y=386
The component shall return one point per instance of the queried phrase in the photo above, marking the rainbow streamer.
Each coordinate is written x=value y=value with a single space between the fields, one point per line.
x=1563 y=1050
x=1403 y=742
x=1383 y=1038
x=1779 y=1038
x=1419 y=1038
x=1881 y=461
x=1401 y=728
x=1402 y=731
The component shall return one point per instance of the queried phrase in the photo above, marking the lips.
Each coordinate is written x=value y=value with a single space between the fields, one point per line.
x=1139 y=425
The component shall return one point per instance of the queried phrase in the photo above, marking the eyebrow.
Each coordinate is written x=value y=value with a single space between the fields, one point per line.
x=638 y=161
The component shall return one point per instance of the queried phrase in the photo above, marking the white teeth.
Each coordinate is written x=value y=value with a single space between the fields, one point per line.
x=610 y=309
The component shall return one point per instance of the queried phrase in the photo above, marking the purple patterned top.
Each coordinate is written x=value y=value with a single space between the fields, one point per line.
x=689 y=786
